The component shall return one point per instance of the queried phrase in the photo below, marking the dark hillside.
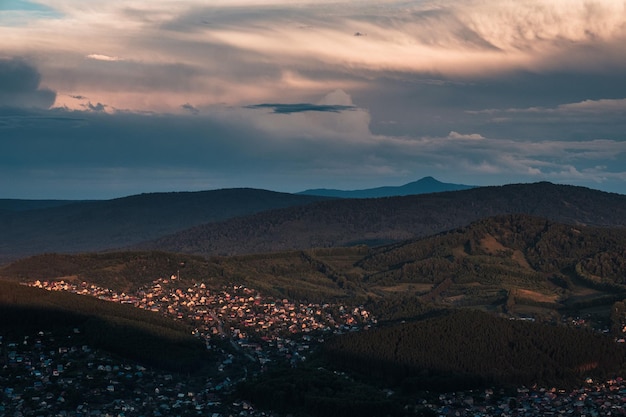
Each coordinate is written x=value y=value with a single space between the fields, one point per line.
x=98 y=225
x=469 y=349
x=385 y=220
x=121 y=329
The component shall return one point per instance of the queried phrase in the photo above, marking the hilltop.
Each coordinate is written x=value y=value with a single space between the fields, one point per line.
x=32 y=227
x=245 y=221
x=379 y=221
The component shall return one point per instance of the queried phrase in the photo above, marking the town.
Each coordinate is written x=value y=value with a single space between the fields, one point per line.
x=53 y=374
x=254 y=323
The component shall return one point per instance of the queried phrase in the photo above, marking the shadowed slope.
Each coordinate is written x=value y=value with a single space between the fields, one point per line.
x=98 y=225
x=385 y=220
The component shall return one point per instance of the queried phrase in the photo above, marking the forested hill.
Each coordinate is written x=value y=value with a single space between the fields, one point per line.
x=29 y=228
x=469 y=348
x=385 y=220
x=514 y=264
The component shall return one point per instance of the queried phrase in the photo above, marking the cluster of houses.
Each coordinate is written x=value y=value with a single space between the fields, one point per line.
x=264 y=327
x=56 y=375
x=46 y=374
x=607 y=398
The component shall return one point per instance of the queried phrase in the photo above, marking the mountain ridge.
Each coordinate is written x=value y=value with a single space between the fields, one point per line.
x=239 y=221
x=106 y=224
x=346 y=222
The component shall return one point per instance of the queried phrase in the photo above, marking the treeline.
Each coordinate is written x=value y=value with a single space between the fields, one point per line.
x=124 y=330
x=469 y=348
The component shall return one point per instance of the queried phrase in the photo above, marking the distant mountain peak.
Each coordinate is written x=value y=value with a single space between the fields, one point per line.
x=424 y=185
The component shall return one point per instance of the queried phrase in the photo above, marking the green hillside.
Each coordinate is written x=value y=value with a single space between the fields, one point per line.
x=514 y=264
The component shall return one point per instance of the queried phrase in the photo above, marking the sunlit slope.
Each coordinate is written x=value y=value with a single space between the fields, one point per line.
x=513 y=264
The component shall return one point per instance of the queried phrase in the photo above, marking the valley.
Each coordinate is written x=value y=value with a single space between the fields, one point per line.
x=519 y=313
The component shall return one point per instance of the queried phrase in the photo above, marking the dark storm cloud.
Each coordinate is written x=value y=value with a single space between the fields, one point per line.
x=190 y=108
x=301 y=107
x=96 y=107
x=20 y=86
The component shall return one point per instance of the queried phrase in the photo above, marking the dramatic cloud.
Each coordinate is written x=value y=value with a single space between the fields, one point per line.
x=19 y=86
x=127 y=97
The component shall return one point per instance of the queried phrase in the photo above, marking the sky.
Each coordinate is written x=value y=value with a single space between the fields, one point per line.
x=107 y=99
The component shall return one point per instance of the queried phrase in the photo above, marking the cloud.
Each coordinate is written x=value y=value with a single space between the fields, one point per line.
x=602 y=106
x=454 y=38
x=26 y=6
x=301 y=107
x=98 y=107
x=90 y=154
x=277 y=92
x=246 y=51
x=596 y=106
x=190 y=108
x=20 y=85
x=333 y=117
x=100 y=57
x=472 y=136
